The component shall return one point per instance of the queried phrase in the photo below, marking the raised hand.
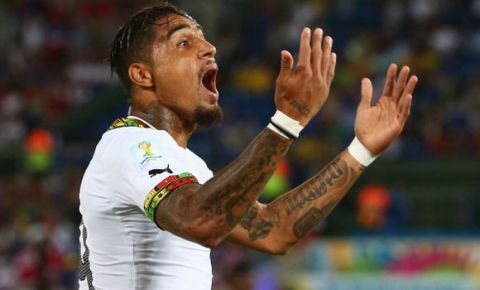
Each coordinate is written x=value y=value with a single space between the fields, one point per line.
x=302 y=90
x=376 y=126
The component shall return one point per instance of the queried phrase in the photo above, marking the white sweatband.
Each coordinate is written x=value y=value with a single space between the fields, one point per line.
x=285 y=126
x=274 y=129
x=361 y=153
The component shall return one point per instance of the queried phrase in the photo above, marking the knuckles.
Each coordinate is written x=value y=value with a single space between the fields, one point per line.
x=304 y=70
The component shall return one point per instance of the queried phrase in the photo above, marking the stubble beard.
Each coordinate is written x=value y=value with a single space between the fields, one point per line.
x=208 y=117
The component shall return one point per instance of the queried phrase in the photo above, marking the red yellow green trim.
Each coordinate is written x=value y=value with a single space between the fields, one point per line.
x=164 y=188
x=127 y=122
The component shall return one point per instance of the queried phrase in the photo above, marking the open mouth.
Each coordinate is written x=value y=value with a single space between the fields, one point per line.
x=209 y=79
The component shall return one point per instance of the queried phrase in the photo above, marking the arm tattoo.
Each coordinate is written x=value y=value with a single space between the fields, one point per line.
x=304 y=204
x=238 y=186
x=309 y=220
x=331 y=176
x=256 y=226
x=225 y=199
x=300 y=108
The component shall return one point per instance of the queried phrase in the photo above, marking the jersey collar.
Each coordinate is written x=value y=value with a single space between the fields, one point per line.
x=130 y=121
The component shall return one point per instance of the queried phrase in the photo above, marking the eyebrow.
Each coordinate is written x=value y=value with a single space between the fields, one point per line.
x=179 y=27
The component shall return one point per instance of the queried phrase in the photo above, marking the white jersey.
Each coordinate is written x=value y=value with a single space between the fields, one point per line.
x=133 y=168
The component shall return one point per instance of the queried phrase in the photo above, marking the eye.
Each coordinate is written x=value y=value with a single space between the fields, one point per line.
x=183 y=43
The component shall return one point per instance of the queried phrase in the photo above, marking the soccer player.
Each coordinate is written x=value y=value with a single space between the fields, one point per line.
x=152 y=209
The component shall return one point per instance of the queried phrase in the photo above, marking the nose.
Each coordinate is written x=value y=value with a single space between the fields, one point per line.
x=207 y=50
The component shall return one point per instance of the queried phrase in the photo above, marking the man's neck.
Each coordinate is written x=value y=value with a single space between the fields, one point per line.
x=162 y=118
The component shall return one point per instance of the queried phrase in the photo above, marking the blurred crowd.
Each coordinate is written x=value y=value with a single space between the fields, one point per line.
x=56 y=88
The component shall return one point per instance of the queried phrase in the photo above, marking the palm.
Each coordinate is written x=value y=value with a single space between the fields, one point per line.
x=377 y=126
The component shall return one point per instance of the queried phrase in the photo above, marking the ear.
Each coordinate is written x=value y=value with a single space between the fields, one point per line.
x=140 y=74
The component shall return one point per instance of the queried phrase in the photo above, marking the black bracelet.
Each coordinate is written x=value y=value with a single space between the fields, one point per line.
x=285 y=132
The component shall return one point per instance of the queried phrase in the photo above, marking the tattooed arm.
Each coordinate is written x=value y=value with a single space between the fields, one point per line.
x=208 y=213
x=276 y=227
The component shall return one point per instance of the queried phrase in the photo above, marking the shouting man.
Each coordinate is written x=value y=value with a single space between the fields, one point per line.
x=152 y=209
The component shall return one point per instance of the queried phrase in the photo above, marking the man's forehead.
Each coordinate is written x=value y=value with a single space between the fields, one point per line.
x=173 y=22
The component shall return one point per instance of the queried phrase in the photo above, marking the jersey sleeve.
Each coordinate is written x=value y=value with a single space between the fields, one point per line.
x=149 y=170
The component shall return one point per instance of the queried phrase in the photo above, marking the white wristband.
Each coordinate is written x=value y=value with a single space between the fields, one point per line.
x=288 y=127
x=361 y=153
x=274 y=129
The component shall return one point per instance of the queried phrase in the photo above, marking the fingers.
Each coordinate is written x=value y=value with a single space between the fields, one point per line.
x=316 y=57
x=286 y=65
x=405 y=102
x=366 y=93
x=317 y=51
x=390 y=80
x=411 y=84
x=331 y=68
x=404 y=108
x=305 y=50
x=321 y=54
x=327 y=53
x=399 y=85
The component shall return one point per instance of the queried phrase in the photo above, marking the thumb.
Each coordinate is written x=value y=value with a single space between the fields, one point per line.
x=286 y=64
x=366 y=93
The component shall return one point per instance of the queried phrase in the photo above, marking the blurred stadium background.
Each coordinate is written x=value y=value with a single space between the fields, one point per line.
x=411 y=222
